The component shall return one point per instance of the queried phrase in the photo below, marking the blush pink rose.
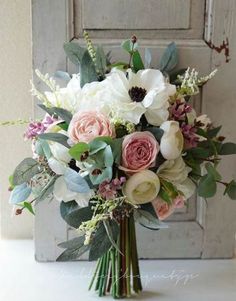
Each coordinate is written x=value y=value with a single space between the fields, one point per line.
x=139 y=151
x=162 y=209
x=179 y=202
x=87 y=125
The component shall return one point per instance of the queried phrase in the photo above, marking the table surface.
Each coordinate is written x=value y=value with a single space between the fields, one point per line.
x=24 y=279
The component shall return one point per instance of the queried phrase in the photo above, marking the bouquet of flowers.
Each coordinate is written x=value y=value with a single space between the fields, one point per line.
x=120 y=143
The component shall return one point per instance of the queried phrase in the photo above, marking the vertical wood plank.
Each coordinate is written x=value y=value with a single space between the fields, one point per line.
x=219 y=104
x=50 y=31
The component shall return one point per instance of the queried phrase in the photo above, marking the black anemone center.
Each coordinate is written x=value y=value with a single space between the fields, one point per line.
x=137 y=94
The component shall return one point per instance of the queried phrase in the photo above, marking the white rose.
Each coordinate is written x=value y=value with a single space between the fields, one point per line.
x=142 y=187
x=172 y=141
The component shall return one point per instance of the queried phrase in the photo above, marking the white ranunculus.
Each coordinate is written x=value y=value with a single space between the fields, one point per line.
x=67 y=98
x=134 y=94
x=172 y=141
x=142 y=187
x=62 y=193
x=175 y=171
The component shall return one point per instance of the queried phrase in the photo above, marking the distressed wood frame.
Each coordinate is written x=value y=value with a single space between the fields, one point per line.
x=200 y=237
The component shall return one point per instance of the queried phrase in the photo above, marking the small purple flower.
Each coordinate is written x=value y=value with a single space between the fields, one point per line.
x=190 y=137
x=179 y=110
x=36 y=128
x=108 y=189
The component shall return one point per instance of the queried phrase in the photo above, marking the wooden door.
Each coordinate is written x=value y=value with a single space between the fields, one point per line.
x=203 y=31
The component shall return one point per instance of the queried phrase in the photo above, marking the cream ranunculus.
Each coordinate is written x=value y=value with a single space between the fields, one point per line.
x=145 y=92
x=172 y=141
x=142 y=187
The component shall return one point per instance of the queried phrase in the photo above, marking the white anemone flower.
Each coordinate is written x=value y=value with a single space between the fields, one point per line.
x=145 y=92
x=62 y=193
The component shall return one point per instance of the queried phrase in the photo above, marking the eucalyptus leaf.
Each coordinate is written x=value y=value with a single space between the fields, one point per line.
x=169 y=58
x=20 y=193
x=75 y=182
x=74 y=243
x=228 y=148
x=74 y=52
x=100 y=243
x=25 y=171
x=67 y=207
x=87 y=70
x=157 y=132
x=127 y=45
x=101 y=60
x=77 y=216
x=56 y=137
x=147 y=219
x=42 y=148
x=207 y=186
x=62 y=75
x=213 y=172
x=108 y=156
x=147 y=58
x=230 y=190
x=73 y=254
x=213 y=132
x=116 y=149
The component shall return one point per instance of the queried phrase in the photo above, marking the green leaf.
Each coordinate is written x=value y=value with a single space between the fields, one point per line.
x=147 y=220
x=74 y=243
x=58 y=112
x=157 y=132
x=25 y=171
x=100 y=243
x=169 y=58
x=199 y=152
x=213 y=172
x=56 y=137
x=20 y=193
x=116 y=149
x=78 y=150
x=73 y=254
x=137 y=61
x=87 y=70
x=112 y=230
x=74 y=52
x=228 y=148
x=202 y=133
x=101 y=60
x=213 y=132
x=29 y=207
x=230 y=190
x=149 y=208
x=77 y=216
x=207 y=186
x=68 y=207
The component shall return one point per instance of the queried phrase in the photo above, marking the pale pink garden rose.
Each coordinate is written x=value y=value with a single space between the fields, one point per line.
x=162 y=209
x=139 y=151
x=87 y=125
x=179 y=202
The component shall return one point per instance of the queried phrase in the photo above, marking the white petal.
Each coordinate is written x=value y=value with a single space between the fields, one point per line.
x=58 y=167
x=61 y=192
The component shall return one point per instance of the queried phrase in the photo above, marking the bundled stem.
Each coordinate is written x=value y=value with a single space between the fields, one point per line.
x=118 y=272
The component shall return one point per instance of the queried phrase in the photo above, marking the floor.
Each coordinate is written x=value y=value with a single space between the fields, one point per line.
x=23 y=279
